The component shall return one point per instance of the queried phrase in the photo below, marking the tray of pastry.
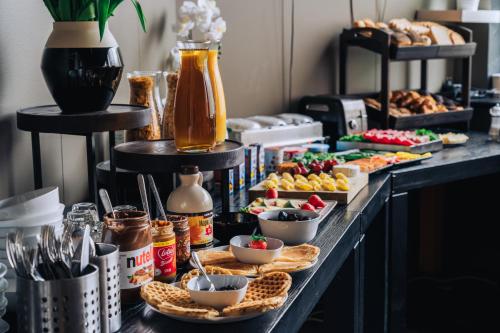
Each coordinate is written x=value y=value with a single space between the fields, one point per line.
x=411 y=108
x=412 y=40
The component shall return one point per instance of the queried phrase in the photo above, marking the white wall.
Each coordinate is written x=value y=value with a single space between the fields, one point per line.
x=254 y=65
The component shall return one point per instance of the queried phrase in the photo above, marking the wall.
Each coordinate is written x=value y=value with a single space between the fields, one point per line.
x=254 y=65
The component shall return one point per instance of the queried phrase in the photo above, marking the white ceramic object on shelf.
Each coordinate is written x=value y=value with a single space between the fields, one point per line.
x=245 y=254
x=30 y=203
x=472 y=5
x=290 y=232
x=218 y=299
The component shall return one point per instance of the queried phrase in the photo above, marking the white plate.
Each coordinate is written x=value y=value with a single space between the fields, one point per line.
x=217 y=320
x=31 y=203
x=225 y=248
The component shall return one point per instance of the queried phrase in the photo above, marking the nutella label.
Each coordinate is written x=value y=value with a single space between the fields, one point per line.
x=164 y=258
x=201 y=228
x=136 y=267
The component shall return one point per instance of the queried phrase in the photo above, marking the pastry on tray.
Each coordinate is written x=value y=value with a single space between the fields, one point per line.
x=263 y=294
x=210 y=257
x=284 y=266
x=239 y=268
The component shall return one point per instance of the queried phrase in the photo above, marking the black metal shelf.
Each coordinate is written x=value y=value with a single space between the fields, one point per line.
x=379 y=42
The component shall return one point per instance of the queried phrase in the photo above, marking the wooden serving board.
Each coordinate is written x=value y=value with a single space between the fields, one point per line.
x=343 y=197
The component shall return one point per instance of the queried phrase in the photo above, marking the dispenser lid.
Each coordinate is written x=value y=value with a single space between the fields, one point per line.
x=495 y=110
x=189 y=169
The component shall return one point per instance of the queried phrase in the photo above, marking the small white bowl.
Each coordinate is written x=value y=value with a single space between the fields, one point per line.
x=240 y=249
x=290 y=232
x=218 y=299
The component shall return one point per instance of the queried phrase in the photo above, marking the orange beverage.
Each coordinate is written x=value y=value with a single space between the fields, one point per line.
x=194 y=112
x=218 y=90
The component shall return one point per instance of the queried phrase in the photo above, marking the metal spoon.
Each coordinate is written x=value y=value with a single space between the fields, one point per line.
x=85 y=254
x=106 y=202
x=142 y=190
x=157 y=197
x=198 y=264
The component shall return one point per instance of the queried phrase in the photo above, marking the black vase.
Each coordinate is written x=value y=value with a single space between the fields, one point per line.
x=81 y=71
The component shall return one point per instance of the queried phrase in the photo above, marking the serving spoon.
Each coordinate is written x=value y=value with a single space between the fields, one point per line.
x=198 y=264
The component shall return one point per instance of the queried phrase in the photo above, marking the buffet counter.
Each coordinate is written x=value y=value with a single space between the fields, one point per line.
x=349 y=260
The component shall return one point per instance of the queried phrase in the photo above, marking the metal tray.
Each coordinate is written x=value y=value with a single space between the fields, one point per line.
x=416 y=149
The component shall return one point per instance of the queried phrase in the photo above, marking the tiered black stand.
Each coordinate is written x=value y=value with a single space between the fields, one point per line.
x=379 y=42
x=50 y=119
x=161 y=156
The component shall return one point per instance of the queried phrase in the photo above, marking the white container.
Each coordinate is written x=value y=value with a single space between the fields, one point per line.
x=30 y=203
x=35 y=219
x=472 y=5
x=290 y=232
x=240 y=249
x=192 y=200
x=218 y=299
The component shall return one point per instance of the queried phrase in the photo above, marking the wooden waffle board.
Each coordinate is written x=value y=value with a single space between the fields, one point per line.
x=356 y=184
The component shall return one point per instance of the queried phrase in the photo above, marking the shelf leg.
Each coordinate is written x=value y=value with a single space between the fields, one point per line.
x=92 y=181
x=112 y=166
x=37 y=159
x=225 y=190
x=423 y=75
x=343 y=68
x=384 y=89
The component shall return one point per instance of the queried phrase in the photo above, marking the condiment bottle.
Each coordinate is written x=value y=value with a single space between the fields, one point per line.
x=192 y=200
x=164 y=251
x=182 y=238
x=131 y=231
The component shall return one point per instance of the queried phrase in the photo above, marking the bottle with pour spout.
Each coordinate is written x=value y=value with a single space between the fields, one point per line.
x=192 y=200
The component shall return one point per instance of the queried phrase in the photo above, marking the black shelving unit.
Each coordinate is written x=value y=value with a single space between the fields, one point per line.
x=379 y=42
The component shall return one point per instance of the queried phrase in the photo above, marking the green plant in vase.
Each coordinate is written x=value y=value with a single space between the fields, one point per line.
x=89 y=10
x=82 y=64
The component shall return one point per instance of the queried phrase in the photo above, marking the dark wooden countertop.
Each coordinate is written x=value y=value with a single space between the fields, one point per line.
x=476 y=158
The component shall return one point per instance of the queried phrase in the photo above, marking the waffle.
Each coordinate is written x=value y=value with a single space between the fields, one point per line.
x=284 y=266
x=270 y=285
x=254 y=306
x=239 y=268
x=175 y=301
x=303 y=252
x=195 y=272
x=211 y=257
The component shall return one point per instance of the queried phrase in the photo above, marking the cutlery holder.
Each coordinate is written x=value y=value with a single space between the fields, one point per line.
x=65 y=305
x=107 y=259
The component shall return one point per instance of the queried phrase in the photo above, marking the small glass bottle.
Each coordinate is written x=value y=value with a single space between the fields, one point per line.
x=192 y=200
x=182 y=238
x=145 y=91
x=164 y=251
x=194 y=110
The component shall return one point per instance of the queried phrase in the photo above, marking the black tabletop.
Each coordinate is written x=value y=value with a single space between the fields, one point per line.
x=50 y=119
x=477 y=157
x=162 y=156
x=336 y=237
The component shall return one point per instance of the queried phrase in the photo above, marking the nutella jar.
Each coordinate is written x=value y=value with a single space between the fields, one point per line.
x=164 y=251
x=131 y=231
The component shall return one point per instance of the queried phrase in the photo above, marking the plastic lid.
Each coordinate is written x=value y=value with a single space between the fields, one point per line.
x=495 y=111
x=189 y=169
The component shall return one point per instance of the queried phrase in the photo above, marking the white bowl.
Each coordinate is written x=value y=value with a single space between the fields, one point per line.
x=30 y=203
x=218 y=299
x=290 y=232
x=240 y=249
